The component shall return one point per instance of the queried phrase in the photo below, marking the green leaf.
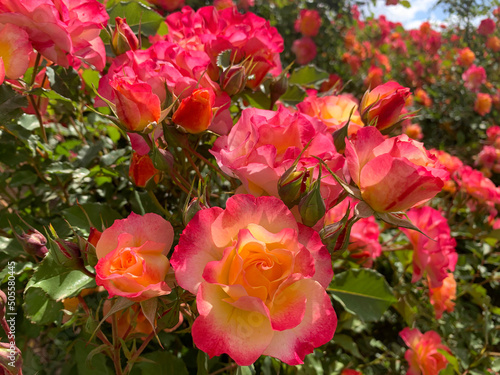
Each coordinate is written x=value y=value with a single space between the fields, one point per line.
x=348 y=344
x=294 y=95
x=452 y=360
x=136 y=14
x=202 y=363
x=58 y=281
x=245 y=370
x=363 y=292
x=162 y=363
x=405 y=3
x=308 y=75
x=64 y=81
x=39 y=308
x=23 y=177
x=11 y=103
x=95 y=365
x=98 y=214
x=224 y=59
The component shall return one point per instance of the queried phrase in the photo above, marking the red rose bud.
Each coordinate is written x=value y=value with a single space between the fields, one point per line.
x=383 y=106
x=292 y=187
x=33 y=242
x=233 y=79
x=195 y=112
x=11 y=361
x=142 y=170
x=94 y=236
x=136 y=104
x=123 y=38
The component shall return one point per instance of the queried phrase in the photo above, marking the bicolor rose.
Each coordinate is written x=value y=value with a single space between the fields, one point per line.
x=15 y=51
x=393 y=174
x=433 y=253
x=132 y=257
x=482 y=105
x=474 y=77
x=443 y=297
x=466 y=57
x=423 y=356
x=333 y=111
x=263 y=144
x=136 y=104
x=308 y=23
x=195 y=112
x=259 y=279
x=384 y=104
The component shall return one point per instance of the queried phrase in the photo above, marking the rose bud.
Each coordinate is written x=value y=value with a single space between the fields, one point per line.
x=142 y=170
x=33 y=242
x=136 y=104
x=383 y=105
x=192 y=208
x=195 y=112
x=312 y=206
x=123 y=38
x=8 y=356
x=233 y=79
x=292 y=187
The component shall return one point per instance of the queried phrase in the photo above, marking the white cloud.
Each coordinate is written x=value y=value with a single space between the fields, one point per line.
x=410 y=18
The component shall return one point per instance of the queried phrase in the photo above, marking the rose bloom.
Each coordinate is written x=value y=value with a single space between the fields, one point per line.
x=414 y=131
x=423 y=356
x=474 y=183
x=384 y=105
x=333 y=111
x=132 y=257
x=434 y=256
x=15 y=51
x=304 y=49
x=223 y=4
x=374 y=77
x=488 y=157
x=486 y=27
x=493 y=43
x=393 y=174
x=474 y=77
x=482 y=105
x=449 y=162
x=422 y=97
x=308 y=23
x=443 y=297
x=259 y=280
x=64 y=32
x=466 y=57
x=493 y=134
x=263 y=144
x=363 y=246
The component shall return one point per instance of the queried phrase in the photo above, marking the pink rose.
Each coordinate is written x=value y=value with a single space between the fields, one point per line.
x=486 y=27
x=15 y=50
x=442 y=298
x=474 y=183
x=474 y=77
x=132 y=257
x=308 y=23
x=263 y=144
x=393 y=174
x=64 y=32
x=423 y=356
x=434 y=257
x=259 y=279
x=305 y=50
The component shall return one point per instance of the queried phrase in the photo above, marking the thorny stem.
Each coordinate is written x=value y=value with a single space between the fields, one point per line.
x=138 y=352
x=116 y=346
x=230 y=367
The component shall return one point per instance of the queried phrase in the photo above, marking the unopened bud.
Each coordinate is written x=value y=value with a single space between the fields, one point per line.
x=312 y=206
x=123 y=38
x=162 y=159
x=292 y=187
x=278 y=87
x=195 y=112
x=233 y=80
x=192 y=208
x=142 y=170
x=11 y=361
x=33 y=242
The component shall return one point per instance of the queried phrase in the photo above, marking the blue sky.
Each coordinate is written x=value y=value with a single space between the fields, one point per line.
x=411 y=18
